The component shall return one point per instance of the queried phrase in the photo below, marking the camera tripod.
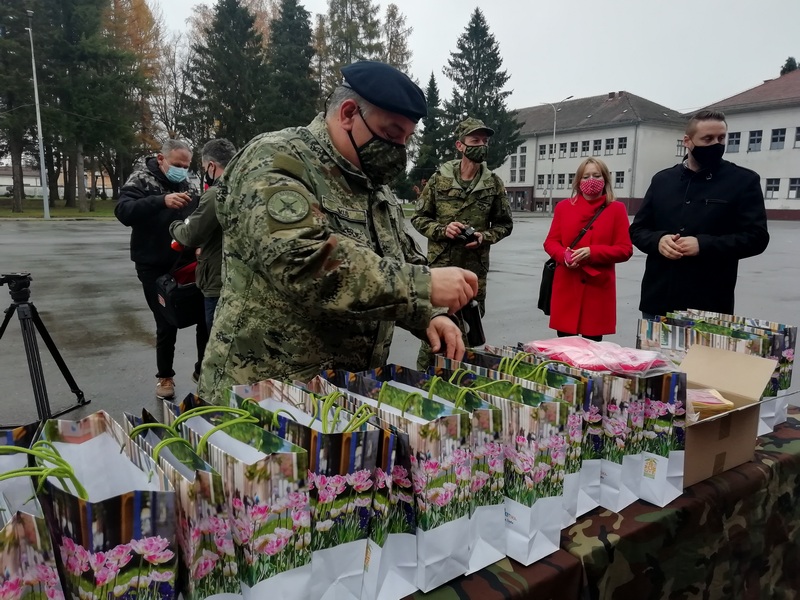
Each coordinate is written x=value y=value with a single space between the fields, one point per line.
x=31 y=322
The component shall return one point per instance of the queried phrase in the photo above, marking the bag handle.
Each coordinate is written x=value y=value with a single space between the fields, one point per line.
x=587 y=226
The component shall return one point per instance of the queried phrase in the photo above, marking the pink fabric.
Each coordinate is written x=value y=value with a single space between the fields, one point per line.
x=598 y=356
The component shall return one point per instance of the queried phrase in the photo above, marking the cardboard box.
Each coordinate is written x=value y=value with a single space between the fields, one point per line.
x=724 y=441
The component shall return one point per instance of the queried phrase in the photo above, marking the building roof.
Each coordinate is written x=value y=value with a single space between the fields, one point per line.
x=773 y=93
x=612 y=109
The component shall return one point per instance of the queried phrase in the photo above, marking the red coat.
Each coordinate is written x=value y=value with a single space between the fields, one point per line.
x=585 y=299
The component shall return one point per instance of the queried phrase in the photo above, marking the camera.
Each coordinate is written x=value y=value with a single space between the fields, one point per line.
x=467 y=235
x=18 y=285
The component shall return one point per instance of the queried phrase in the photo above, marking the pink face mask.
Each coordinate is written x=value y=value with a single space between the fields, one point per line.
x=592 y=186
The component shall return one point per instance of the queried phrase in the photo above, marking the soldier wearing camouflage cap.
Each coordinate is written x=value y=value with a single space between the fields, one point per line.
x=463 y=193
x=318 y=268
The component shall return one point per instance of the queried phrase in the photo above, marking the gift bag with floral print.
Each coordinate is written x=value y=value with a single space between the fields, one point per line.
x=263 y=481
x=343 y=452
x=441 y=474
x=116 y=537
x=208 y=561
x=390 y=568
x=27 y=561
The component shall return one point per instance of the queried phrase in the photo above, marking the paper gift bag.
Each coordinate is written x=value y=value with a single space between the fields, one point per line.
x=262 y=477
x=121 y=541
x=441 y=466
x=208 y=561
x=390 y=568
x=487 y=511
x=27 y=561
x=342 y=480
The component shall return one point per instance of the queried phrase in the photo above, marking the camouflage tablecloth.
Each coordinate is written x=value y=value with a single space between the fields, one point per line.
x=734 y=536
x=557 y=577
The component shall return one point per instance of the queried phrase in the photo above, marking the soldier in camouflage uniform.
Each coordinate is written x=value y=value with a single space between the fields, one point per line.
x=463 y=193
x=318 y=268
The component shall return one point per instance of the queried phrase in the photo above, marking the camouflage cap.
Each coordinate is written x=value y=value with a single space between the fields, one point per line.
x=470 y=125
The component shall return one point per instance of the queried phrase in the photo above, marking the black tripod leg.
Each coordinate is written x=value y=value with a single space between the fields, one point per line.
x=9 y=313
x=24 y=312
x=62 y=366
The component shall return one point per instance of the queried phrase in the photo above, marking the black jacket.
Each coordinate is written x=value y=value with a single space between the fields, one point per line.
x=141 y=207
x=724 y=209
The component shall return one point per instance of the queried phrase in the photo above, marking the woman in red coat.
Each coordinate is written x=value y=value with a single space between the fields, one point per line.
x=584 y=300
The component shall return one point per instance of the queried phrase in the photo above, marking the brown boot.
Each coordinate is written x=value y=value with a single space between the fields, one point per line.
x=165 y=388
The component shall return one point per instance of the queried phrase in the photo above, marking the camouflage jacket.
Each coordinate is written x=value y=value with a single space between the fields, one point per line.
x=483 y=205
x=317 y=265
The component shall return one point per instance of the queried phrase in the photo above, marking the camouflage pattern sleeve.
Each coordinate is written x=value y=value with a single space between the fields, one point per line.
x=424 y=219
x=500 y=218
x=325 y=273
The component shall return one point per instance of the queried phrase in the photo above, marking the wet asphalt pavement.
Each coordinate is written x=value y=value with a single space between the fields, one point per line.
x=85 y=288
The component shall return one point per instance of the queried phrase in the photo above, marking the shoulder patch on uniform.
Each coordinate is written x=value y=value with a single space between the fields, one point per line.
x=420 y=204
x=288 y=206
x=288 y=164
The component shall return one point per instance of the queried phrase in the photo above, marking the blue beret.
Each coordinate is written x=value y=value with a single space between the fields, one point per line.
x=386 y=87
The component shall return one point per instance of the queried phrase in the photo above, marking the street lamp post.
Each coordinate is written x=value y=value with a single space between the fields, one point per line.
x=42 y=169
x=555 y=108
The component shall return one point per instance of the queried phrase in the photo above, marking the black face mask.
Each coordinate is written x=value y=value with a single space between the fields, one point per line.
x=708 y=157
x=208 y=178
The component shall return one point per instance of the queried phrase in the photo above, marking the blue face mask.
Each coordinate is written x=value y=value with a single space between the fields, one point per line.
x=176 y=174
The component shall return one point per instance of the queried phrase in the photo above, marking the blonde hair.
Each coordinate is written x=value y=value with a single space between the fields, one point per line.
x=608 y=190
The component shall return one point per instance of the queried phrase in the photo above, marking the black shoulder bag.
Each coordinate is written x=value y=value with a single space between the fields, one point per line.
x=549 y=271
x=179 y=298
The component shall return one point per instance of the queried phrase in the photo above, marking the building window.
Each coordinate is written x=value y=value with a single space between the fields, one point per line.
x=523 y=162
x=513 y=177
x=754 y=144
x=778 y=139
x=734 y=141
x=679 y=149
x=797 y=137
x=571 y=179
x=523 y=149
x=773 y=188
x=550 y=181
x=609 y=146
x=540 y=181
x=522 y=175
x=561 y=179
x=562 y=150
x=573 y=149
x=622 y=145
x=513 y=162
x=552 y=150
x=619 y=179
x=597 y=147
x=794 y=187
x=542 y=151
x=585 y=147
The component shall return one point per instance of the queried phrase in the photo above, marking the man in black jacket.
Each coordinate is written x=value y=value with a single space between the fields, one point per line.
x=698 y=219
x=150 y=200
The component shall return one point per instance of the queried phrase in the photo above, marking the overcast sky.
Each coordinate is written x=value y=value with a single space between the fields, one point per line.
x=683 y=54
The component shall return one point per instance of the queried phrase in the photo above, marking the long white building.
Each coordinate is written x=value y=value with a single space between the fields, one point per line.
x=635 y=137
x=764 y=135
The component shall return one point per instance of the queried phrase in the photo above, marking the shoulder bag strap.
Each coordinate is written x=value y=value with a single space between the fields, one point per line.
x=587 y=226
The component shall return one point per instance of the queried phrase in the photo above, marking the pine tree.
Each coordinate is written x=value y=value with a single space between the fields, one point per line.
x=394 y=35
x=433 y=139
x=292 y=89
x=475 y=69
x=789 y=66
x=321 y=61
x=353 y=34
x=228 y=81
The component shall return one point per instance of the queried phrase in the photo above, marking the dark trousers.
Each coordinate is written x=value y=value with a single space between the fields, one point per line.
x=648 y=316
x=210 y=306
x=166 y=334
x=594 y=338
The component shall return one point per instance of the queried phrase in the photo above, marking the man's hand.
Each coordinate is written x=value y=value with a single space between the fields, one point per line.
x=668 y=246
x=453 y=229
x=478 y=240
x=689 y=246
x=177 y=200
x=452 y=287
x=442 y=329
